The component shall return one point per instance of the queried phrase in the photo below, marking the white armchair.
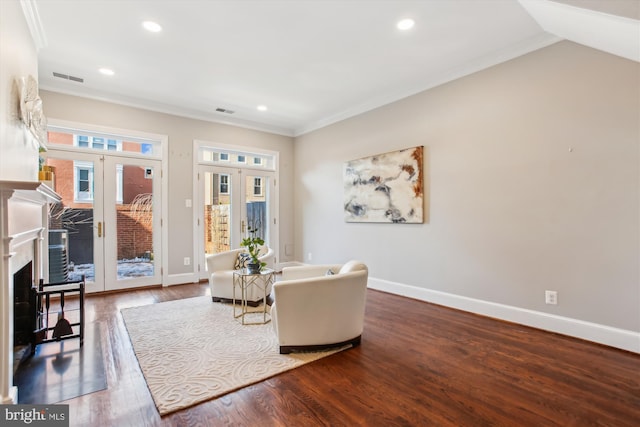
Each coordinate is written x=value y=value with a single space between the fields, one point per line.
x=220 y=268
x=314 y=310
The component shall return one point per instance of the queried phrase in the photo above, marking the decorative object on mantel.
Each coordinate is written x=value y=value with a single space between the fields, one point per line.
x=385 y=188
x=31 y=109
x=47 y=175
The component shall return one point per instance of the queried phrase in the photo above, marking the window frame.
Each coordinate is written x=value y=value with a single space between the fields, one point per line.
x=221 y=183
x=259 y=185
x=79 y=166
x=106 y=143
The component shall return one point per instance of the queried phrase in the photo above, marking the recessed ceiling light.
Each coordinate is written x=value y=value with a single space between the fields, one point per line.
x=406 y=24
x=107 y=71
x=154 y=27
x=262 y=108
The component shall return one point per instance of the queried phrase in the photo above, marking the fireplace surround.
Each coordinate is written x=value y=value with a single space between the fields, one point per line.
x=22 y=307
x=23 y=225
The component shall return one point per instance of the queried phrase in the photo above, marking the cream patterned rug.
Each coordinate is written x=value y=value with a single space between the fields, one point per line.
x=193 y=350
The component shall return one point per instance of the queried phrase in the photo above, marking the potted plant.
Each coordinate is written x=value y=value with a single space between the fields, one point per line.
x=253 y=244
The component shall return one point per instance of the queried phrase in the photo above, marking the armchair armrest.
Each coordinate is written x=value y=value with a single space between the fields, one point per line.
x=308 y=271
x=267 y=255
x=222 y=261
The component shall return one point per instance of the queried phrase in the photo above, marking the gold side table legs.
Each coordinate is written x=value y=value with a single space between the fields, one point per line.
x=243 y=281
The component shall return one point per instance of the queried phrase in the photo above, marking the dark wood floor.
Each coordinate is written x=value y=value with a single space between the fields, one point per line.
x=419 y=364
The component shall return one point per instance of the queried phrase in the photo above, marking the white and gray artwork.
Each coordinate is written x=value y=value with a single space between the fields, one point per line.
x=385 y=187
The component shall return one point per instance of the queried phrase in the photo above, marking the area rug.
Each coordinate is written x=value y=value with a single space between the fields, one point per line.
x=193 y=350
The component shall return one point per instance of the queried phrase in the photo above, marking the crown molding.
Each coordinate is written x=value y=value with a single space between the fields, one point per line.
x=32 y=16
x=167 y=109
x=498 y=57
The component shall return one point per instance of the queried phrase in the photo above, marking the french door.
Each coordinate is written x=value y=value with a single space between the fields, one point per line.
x=234 y=203
x=108 y=223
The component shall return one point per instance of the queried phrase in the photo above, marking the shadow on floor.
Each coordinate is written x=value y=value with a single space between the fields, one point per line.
x=62 y=370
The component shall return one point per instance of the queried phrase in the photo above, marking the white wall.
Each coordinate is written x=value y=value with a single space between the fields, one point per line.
x=182 y=132
x=18 y=161
x=18 y=58
x=532 y=184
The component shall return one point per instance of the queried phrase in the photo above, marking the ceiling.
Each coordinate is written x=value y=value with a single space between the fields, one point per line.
x=310 y=62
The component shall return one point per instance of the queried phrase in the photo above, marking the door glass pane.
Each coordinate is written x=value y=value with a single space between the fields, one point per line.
x=134 y=221
x=256 y=198
x=71 y=220
x=217 y=212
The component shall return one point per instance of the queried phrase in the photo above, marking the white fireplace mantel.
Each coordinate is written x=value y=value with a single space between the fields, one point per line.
x=30 y=190
x=23 y=221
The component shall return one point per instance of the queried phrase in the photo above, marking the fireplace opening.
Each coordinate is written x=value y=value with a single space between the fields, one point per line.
x=22 y=310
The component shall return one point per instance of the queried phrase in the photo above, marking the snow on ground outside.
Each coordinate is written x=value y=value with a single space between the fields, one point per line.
x=127 y=269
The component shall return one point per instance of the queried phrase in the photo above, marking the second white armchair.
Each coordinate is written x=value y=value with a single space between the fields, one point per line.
x=220 y=268
x=319 y=306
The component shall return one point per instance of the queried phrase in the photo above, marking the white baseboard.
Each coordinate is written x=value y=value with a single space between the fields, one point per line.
x=614 y=337
x=180 y=279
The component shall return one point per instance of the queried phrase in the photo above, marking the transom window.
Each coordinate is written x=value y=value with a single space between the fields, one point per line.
x=98 y=143
x=130 y=146
x=241 y=159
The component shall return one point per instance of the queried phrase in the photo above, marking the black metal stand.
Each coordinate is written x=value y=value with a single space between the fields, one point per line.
x=40 y=305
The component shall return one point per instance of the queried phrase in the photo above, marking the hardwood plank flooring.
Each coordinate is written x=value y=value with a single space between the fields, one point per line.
x=419 y=365
x=62 y=370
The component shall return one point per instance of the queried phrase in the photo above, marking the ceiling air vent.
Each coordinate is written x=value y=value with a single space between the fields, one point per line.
x=224 y=110
x=67 y=77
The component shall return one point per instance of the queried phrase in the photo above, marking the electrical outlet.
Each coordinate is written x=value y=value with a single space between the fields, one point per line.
x=309 y=256
x=551 y=297
x=187 y=260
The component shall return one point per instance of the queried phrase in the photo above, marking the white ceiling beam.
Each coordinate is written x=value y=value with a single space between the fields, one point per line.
x=610 y=33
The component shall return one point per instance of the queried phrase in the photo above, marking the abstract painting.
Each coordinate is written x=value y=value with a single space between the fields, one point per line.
x=385 y=188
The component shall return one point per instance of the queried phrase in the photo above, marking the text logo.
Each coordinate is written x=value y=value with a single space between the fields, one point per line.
x=35 y=415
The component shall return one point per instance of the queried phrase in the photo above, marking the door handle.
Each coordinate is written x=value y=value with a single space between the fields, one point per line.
x=99 y=229
x=243 y=226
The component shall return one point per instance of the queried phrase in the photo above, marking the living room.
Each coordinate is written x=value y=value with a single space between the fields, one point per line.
x=531 y=184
